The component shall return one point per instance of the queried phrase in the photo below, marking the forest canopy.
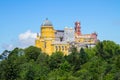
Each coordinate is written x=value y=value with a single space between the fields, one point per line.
x=101 y=62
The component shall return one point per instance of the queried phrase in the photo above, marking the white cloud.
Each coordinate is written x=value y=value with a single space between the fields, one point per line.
x=7 y=46
x=27 y=35
x=24 y=40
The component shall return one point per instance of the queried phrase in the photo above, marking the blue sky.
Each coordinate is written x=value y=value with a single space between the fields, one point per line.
x=19 y=17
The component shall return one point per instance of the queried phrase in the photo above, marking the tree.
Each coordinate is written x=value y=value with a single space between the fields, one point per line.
x=73 y=56
x=83 y=56
x=65 y=66
x=107 y=49
x=10 y=71
x=76 y=59
x=42 y=59
x=117 y=62
x=32 y=53
x=58 y=74
x=33 y=71
x=27 y=71
x=99 y=63
x=5 y=54
x=55 y=60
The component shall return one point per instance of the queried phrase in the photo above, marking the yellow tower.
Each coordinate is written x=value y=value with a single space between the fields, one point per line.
x=46 y=38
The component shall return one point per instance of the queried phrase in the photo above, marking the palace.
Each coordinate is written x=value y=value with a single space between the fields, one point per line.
x=51 y=40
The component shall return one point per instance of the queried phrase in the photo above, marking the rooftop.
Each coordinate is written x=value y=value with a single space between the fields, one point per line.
x=46 y=23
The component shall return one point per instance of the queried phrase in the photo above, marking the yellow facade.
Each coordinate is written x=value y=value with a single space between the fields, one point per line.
x=50 y=40
x=47 y=38
x=47 y=32
x=85 y=39
x=61 y=47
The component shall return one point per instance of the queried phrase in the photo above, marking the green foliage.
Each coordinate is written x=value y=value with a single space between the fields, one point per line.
x=83 y=56
x=90 y=52
x=32 y=53
x=107 y=49
x=55 y=60
x=76 y=59
x=73 y=57
x=99 y=63
x=42 y=59
x=10 y=70
x=58 y=74
x=117 y=62
x=65 y=66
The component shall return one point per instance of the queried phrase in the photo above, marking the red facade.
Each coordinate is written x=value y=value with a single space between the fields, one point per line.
x=77 y=28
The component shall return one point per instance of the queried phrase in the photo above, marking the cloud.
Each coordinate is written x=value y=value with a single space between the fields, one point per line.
x=27 y=35
x=7 y=46
x=24 y=40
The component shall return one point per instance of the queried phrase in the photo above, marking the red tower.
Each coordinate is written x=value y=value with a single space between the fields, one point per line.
x=77 y=28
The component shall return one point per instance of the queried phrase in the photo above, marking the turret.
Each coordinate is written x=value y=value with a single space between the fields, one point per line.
x=47 y=30
x=78 y=28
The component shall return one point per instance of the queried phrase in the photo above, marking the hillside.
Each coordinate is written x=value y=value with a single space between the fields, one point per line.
x=99 y=63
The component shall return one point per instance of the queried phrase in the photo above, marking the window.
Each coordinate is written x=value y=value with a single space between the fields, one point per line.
x=62 y=48
x=59 y=48
x=66 y=48
x=56 y=48
x=45 y=44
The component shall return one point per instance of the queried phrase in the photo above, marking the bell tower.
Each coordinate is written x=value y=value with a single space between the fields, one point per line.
x=78 y=28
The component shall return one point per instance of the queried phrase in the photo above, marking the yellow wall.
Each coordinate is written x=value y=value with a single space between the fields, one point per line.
x=47 y=32
x=40 y=44
x=45 y=40
x=85 y=40
x=61 y=47
x=48 y=48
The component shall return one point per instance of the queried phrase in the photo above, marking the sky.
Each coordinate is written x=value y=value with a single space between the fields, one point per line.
x=20 y=20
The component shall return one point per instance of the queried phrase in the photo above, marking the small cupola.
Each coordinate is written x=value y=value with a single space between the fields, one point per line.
x=46 y=23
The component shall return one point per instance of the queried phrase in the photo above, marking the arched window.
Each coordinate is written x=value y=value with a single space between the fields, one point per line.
x=45 y=44
x=59 y=48
x=56 y=48
x=66 y=48
x=62 y=48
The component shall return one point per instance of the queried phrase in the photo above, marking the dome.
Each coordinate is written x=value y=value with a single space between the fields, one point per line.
x=46 y=23
x=77 y=22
